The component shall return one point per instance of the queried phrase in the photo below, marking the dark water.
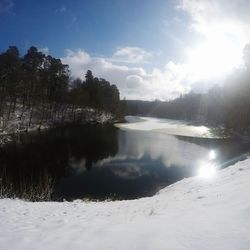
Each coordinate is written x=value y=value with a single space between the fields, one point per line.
x=100 y=162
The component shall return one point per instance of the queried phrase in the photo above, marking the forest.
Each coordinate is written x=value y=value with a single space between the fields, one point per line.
x=38 y=89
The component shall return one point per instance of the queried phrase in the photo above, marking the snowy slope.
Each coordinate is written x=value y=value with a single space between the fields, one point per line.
x=195 y=213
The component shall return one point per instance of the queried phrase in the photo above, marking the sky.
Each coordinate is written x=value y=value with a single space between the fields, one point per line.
x=151 y=49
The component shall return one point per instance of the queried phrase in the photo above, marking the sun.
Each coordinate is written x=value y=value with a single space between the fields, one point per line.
x=217 y=56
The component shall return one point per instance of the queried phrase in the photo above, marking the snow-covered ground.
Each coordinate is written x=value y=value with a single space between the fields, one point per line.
x=195 y=213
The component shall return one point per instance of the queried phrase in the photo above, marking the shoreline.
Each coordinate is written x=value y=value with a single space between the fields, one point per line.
x=87 y=116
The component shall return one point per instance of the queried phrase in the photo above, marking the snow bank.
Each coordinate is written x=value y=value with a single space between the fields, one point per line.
x=194 y=213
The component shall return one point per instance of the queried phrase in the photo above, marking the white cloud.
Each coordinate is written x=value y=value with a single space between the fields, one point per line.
x=6 y=5
x=224 y=26
x=44 y=50
x=133 y=82
x=131 y=55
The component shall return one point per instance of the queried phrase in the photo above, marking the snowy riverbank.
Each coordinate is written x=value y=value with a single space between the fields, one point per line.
x=195 y=213
x=19 y=122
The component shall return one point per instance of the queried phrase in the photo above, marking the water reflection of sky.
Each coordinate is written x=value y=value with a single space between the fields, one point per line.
x=143 y=150
x=145 y=162
x=163 y=159
x=148 y=160
x=136 y=146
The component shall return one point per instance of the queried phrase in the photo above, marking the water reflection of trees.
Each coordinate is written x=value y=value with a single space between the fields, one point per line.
x=32 y=165
x=93 y=143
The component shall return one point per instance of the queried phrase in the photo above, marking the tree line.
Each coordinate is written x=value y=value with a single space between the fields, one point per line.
x=42 y=84
x=227 y=105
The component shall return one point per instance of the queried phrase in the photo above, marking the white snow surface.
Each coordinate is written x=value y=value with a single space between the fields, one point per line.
x=195 y=213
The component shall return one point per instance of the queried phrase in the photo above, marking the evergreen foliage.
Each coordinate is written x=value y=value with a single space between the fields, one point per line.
x=39 y=82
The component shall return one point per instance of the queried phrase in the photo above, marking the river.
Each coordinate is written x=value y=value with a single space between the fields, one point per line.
x=122 y=161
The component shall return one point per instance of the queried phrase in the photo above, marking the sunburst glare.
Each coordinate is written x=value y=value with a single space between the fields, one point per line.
x=215 y=57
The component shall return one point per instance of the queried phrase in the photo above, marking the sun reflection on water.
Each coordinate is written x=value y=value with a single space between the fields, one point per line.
x=208 y=169
x=212 y=155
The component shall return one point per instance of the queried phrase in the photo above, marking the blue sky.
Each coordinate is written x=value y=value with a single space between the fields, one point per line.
x=97 y=26
x=137 y=44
